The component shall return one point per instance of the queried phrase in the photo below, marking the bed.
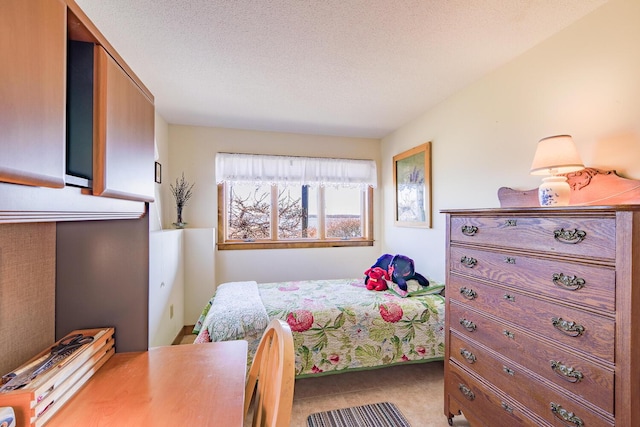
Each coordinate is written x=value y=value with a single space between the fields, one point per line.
x=338 y=325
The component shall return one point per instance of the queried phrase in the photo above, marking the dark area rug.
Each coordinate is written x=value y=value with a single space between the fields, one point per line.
x=383 y=414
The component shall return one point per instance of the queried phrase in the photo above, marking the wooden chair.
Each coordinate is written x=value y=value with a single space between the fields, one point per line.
x=271 y=378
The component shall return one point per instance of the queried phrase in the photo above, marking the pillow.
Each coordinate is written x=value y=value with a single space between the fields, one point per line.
x=414 y=288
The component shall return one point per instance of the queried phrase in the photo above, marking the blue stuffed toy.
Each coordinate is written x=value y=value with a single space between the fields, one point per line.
x=400 y=268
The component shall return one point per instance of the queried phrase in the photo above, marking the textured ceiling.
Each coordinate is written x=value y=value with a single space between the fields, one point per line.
x=334 y=67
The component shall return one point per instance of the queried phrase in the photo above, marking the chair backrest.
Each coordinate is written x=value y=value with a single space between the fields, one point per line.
x=271 y=378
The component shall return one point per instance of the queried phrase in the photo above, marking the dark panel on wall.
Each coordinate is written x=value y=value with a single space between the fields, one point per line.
x=80 y=109
x=102 y=279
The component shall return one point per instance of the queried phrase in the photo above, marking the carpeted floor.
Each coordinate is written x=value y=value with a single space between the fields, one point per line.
x=417 y=391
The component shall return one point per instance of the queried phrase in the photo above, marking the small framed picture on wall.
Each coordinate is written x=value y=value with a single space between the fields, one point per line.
x=158 y=173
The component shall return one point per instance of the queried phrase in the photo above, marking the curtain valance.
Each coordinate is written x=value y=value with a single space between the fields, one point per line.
x=313 y=171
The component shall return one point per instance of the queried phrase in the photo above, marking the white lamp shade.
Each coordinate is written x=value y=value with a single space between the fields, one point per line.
x=556 y=155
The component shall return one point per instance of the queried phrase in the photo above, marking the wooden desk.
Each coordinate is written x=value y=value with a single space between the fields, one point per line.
x=183 y=385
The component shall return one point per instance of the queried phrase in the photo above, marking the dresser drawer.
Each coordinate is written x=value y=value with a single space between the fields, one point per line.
x=585 y=285
x=580 y=377
x=536 y=395
x=562 y=326
x=592 y=237
x=483 y=402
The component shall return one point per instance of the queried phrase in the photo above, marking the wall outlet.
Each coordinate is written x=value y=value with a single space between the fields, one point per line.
x=171 y=311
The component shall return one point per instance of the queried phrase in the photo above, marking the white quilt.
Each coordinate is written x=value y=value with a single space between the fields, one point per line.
x=236 y=312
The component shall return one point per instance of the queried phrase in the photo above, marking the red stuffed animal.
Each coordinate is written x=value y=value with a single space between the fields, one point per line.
x=376 y=279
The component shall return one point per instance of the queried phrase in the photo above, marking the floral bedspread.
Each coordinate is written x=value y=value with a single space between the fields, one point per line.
x=340 y=325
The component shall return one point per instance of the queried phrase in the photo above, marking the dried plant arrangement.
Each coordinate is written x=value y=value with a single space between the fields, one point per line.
x=182 y=193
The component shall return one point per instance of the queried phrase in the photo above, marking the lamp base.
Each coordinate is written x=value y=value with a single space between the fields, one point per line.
x=554 y=191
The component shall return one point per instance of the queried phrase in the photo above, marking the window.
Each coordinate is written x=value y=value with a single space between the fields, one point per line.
x=290 y=202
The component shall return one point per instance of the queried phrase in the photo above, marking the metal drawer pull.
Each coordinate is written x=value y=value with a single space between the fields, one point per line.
x=466 y=391
x=508 y=371
x=566 y=372
x=510 y=223
x=509 y=297
x=471 y=358
x=571 y=283
x=565 y=415
x=469 y=294
x=468 y=261
x=469 y=230
x=510 y=260
x=506 y=407
x=572 y=329
x=509 y=334
x=468 y=325
x=569 y=236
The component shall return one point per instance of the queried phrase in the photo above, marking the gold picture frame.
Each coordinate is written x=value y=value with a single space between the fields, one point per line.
x=412 y=183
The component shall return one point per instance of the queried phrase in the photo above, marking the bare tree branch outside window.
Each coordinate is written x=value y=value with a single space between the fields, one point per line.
x=249 y=215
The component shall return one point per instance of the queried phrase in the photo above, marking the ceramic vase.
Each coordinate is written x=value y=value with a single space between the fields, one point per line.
x=554 y=191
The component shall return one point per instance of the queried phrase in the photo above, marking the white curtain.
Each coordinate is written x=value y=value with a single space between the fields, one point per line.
x=312 y=171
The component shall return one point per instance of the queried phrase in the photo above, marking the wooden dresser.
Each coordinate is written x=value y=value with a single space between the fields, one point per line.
x=540 y=316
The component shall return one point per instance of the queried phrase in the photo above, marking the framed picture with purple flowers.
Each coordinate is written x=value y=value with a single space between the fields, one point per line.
x=412 y=181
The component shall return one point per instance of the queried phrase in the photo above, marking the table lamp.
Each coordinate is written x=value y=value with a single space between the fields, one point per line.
x=555 y=155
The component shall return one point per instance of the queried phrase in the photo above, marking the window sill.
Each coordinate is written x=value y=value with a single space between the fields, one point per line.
x=294 y=244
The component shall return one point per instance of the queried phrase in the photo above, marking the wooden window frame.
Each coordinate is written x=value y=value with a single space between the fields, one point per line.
x=366 y=240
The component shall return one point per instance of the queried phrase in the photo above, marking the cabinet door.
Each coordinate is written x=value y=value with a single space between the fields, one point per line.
x=123 y=160
x=32 y=92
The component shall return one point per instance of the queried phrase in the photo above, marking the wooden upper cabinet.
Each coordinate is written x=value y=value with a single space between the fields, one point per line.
x=32 y=92
x=106 y=151
x=123 y=158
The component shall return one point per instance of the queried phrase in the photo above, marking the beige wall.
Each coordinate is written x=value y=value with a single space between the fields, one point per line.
x=166 y=281
x=584 y=81
x=166 y=286
x=192 y=151
x=162 y=153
